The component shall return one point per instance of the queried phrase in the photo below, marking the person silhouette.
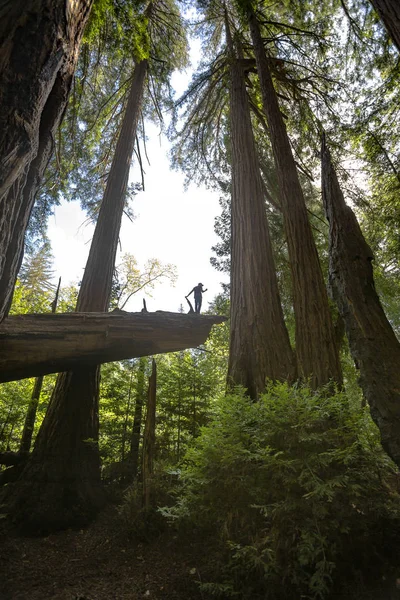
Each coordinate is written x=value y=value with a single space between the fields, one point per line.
x=198 y=297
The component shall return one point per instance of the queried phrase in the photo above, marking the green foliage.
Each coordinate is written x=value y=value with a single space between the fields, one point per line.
x=187 y=384
x=146 y=523
x=297 y=488
x=34 y=293
x=14 y=401
x=35 y=290
x=14 y=398
x=118 y=381
x=120 y=33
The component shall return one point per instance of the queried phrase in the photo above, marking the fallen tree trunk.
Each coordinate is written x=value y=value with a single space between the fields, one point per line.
x=32 y=345
x=373 y=344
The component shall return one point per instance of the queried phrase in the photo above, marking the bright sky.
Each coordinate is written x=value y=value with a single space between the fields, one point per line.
x=172 y=225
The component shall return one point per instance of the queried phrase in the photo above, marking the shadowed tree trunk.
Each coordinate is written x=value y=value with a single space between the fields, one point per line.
x=133 y=457
x=30 y=418
x=389 y=12
x=60 y=486
x=259 y=342
x=127 y=414
x=39 y=44
x=316 y=348
x=373 y=343
x=149 y=439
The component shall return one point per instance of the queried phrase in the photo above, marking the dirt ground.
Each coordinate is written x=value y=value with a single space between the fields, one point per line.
x=104 y=562
x=99 y=563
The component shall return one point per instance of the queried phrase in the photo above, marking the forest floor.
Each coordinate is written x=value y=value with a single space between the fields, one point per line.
x=104 y=562
x=98 y=563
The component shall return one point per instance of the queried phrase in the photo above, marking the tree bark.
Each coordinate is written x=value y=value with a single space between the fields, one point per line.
x=317 y=353
x=373 y=343
x=259 y=341
x=133 y=457
x=30 y=417
x=32 y=345
x=127 y=413
x=389 y=12
x=60 y=485
x=149 y=439
x=39 y=44
x=94 y=293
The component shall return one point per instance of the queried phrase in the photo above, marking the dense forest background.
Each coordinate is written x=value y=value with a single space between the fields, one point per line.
x=275 y=444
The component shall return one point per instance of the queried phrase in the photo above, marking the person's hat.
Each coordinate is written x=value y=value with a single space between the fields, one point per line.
x=200 y=284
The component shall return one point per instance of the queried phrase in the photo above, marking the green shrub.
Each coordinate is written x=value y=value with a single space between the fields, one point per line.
x=294 y=488
x=141 y=522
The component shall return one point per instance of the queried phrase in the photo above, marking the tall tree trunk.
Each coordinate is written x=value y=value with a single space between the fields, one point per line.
x=127 y=413
x=62 y=478
x=317 y=353
x=373 y=343
x=149 y=439
x=30 y=418
x=4 y=425
x=259 y=341
x=178 y=438
x=39 y=44
x=95 y=290
x=137 y=421
x=389 y=12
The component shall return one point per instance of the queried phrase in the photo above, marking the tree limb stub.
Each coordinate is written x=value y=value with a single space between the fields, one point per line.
x=38 y=344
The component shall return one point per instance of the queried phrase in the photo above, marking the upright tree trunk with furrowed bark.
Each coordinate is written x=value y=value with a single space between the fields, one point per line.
x=39 y=44
x=389 y=12
x=149 y=440
x=259 y=341
x=316 y=348
x=133 y=458
x=373 y=343
x=30 y=418
x=62 y=478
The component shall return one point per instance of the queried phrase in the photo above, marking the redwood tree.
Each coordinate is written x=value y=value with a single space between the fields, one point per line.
x=39 y=44
x=389 y=12
x=149 y=439
x=259 y=341
x=316 y=348
x=133 y=457
x=373 y=343
x=62 y=477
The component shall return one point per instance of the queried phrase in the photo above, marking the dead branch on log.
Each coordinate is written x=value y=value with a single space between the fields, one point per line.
x=191 y=311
